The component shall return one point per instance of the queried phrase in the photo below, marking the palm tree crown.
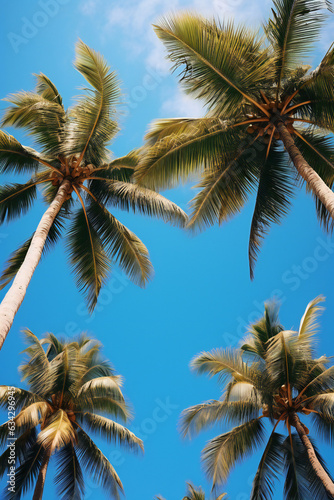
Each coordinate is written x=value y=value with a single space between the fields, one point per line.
x=70 y=383
x=74 y=160
x=194 y=493
x=274 y=376
x=259 y=98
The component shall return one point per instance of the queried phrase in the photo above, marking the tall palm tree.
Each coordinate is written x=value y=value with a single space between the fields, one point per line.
x=69 y=385
x=79 y=182
x=195 y=494
x=267 y=113
x=273 y=376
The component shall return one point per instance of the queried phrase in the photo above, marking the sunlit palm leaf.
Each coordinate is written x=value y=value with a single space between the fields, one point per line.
x=128 y=196
x=58 y=431
x=112 y=431
x=41 y=116
x=219 y=59
x=91 y=120
x=221 y=453
x=177 y=156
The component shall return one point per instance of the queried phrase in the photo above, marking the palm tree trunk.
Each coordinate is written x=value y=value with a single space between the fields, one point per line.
x=15 y=295
x=313 y=180
x=316 y=465
x=38 y=493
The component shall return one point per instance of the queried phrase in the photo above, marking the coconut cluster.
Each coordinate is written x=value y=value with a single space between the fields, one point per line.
x=72 y=170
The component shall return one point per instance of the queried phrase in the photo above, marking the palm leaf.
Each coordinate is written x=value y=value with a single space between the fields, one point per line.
x=177 y=156
x=16 y=199
x=41 y=116
x=112 y=431
x=270 y=465
x=301 y=481
x=88 y=258
x=16 y=158
x=128 y=196
x=293 y=30
x=69 y=478
x=97 y=465
x=205 y=415
x=225 y=188
x=272 y=201
x=91 y=123
x=308 y=323
x=121 y=244
x=57 y=431
x=224 y=64
x=27 y=472
x=225 y=363
x=224 y=451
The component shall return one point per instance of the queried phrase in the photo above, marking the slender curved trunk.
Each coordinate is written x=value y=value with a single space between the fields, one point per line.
x=316 y=465
x=313 y=180
x=38 y=492
x=15 y=295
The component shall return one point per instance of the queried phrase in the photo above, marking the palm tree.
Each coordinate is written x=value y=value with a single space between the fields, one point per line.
x=273 y=376
x=69 y=384
x=195 y=494
x=73 y=153
x=266 y=114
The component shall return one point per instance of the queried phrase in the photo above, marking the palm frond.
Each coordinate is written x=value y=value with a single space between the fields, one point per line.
x=47 y=89
x=16 y=199
x=225 y=188
x=129 y=196
x=308 y=323
x=36 y=371
x=205 y=415
x=273 y=199
x=88 y=258
x=14 y=157
x=301 y=481
x=69 y=478
x=286 y=31
x=270 y=465
x=112 y=431
x=42 y=117
x=27 y=472
x=177 y=156
x=57 y=431
x=224 y=64
x=225 y=363
x=97 y=465
x=222 y=453
x=121 y=244
x=91 y=121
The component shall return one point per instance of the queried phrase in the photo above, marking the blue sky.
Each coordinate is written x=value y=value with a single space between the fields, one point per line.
x=201 y=296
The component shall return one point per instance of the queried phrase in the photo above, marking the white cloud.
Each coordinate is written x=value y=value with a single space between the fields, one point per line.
x=182 y=105
x=89 y=7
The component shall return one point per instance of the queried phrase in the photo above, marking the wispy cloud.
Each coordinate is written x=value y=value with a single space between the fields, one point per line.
x=181 y=105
